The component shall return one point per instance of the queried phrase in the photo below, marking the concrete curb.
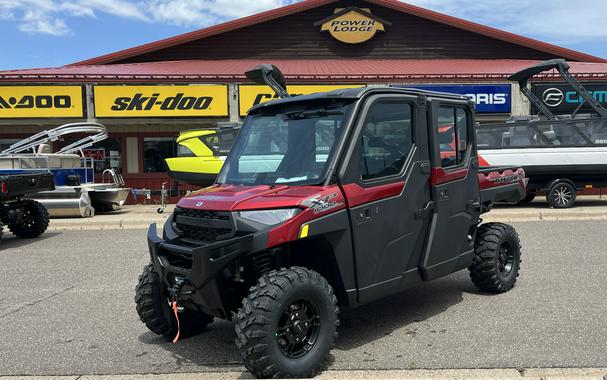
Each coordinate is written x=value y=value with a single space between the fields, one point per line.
x=447 y=374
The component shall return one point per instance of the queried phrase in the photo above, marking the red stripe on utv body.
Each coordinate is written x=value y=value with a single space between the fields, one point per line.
x=357 y=195
x=438 y=176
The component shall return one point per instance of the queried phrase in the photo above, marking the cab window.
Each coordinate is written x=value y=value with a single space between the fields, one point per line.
x=387 y=139
x=452 y=135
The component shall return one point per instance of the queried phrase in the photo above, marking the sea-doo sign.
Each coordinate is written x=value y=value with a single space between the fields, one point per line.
x=159 y=101
x=489 y=98
x=41 y=102
x=353 y=25
x=252 y=95
x=561 y=98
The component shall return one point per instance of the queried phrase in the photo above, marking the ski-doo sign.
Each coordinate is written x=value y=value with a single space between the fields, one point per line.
x=160 y=101
x=353 y=25
x=41 y=101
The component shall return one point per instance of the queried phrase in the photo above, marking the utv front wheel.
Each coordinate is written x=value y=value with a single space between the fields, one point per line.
x=154 y=310
x=287 y=324
x=497 y=256
x=34 y=220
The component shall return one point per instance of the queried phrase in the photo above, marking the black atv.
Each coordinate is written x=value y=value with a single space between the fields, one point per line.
x=24 y=217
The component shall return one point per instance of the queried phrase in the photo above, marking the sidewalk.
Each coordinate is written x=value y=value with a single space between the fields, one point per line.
x=140 y=217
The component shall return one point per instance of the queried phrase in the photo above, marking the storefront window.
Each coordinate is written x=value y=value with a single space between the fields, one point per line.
x=106 y=154
x=155 y=150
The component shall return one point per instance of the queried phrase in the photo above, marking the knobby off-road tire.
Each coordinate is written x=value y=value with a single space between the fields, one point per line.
x=497 y=257
x=561 y=195
x=287 y=324
x=35 y=222
x=154 y=310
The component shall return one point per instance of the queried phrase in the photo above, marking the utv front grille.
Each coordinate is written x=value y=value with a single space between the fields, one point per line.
x=203 y=225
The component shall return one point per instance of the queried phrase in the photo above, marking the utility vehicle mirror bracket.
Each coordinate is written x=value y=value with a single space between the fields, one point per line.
x=271 y=76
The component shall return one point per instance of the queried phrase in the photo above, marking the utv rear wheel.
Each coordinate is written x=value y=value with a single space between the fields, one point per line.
x=497 y=256
x=154 y=310
x=35 y=220
x=561 y=195
x=287 y=324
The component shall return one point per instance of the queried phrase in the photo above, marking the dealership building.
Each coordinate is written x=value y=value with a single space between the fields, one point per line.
x=146 y=94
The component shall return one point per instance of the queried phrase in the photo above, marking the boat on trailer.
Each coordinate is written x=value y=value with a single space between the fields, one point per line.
x=561 y=154
x=76 y=191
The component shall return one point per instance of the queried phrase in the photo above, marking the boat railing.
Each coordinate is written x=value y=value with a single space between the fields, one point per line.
x=32 y=143
x=112 y=177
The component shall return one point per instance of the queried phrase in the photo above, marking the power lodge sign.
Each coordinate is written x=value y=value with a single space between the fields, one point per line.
x=353 y=25
x=161 y=101
x=252 y=95
x=41 y=102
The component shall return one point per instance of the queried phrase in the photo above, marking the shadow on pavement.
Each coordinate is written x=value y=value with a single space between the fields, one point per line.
x=358 y=326
x=380 y=318
x=9 y=240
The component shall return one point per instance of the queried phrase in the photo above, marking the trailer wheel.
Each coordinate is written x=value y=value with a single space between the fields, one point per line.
x=152 y=304
x=287 y=324
x=497 y=257
x=34 y=220
x=561 y=195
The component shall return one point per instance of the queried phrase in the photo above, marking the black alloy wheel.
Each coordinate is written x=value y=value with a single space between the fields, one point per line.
x=298 y=328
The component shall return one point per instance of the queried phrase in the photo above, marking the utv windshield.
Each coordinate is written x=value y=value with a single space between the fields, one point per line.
x=292 y=144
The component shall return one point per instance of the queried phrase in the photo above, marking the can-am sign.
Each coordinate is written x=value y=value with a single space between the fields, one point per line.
x=489 y=98
x=353 y=25
x=252 y=95
x=41 y=101
x=561 y=98
x=159 y=101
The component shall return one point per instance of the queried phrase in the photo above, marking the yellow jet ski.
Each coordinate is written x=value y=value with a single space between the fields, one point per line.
x=200 y=155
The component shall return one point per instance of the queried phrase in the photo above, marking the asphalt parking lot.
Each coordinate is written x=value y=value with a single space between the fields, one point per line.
x=66 y=307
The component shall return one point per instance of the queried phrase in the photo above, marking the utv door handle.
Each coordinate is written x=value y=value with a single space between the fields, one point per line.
x=363 y=215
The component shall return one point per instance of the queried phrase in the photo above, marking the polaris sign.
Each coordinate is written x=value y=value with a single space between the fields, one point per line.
x=562 y=99
x=489 y=98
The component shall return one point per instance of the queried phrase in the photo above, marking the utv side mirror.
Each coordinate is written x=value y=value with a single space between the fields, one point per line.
x=271 y=76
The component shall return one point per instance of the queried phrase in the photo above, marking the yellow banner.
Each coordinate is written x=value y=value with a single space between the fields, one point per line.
x=252 y=95
x=40 y=101
x=159 y=101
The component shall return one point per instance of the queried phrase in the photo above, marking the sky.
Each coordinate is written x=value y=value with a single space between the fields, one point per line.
x=51 y=33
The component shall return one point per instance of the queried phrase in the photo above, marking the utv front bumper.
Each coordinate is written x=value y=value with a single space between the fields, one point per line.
x=200 y=267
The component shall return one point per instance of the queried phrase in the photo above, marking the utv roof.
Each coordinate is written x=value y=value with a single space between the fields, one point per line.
x=356 y=93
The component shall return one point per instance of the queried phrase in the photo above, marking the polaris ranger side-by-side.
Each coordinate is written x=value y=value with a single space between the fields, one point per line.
x=24 y=217
x=328 y=200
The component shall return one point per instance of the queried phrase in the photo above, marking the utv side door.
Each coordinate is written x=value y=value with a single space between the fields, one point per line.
x=385 y=182
x=455 y=188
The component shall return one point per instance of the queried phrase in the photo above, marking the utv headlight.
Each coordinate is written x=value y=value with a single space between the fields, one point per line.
x=270 y=217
